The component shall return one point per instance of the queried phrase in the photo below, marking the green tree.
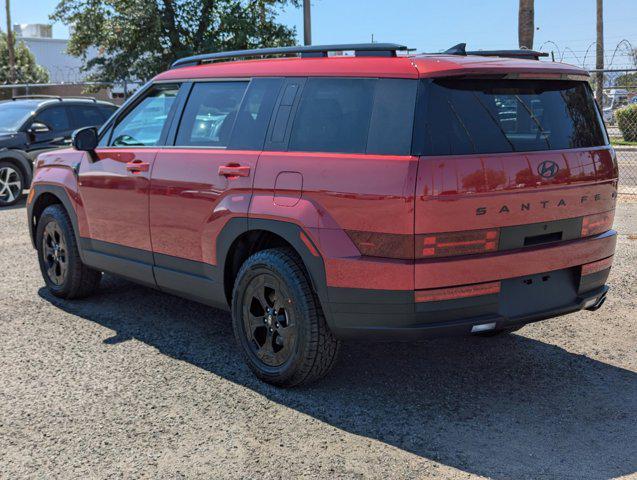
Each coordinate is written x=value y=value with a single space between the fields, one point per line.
x=26 y=69
x=136 y=39
x=626 y=80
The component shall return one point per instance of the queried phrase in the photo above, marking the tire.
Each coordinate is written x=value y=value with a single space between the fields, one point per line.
x=278 y=322
x=11 y=183
x=499 y=332
x=60 y=263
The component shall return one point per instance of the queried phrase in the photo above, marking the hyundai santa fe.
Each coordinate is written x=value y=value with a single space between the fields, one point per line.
x=377 y=195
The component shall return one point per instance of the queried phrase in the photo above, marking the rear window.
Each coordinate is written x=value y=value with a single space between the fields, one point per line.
x=497 y=116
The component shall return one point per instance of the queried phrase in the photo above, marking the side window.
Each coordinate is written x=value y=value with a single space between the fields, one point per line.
x=56 y=118
x=392 y=123
x=85 y=116
x=210 y=114
x=254 y=114
x=106 y=112
x=143 y=125
x=334 y=115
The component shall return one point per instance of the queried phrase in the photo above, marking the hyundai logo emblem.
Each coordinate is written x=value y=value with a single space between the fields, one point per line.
x=547 y=169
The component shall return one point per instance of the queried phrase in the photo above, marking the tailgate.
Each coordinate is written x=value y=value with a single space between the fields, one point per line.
x=527 y=223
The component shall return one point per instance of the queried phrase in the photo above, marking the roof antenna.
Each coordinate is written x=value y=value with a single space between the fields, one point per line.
x=459 y=49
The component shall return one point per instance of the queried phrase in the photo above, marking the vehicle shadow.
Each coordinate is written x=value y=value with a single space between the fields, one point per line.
x=21 y=203
x=510 y=407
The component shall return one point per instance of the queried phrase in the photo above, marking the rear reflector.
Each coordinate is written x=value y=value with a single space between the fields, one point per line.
x=386 y=245
x=597 y=266
x=456 y=243
x=598 y=223
x=437 y=294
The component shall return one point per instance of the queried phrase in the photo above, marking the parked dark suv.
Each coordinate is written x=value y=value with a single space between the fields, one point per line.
x=323 y=198
x=33 y=124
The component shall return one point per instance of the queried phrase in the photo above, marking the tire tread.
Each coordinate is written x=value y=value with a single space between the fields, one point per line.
x=323 y=345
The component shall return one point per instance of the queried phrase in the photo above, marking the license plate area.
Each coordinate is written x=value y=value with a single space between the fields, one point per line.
x=535 y=293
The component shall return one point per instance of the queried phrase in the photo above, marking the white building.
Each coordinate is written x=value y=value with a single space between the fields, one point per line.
x=51 y=53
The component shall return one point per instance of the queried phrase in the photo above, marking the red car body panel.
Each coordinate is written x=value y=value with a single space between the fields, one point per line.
x=115 y=196
x=190 y=202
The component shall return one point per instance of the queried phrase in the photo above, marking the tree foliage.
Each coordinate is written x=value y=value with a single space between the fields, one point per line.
x=137 y=39
x=627 y=122
x=626 y=80
x=26 y=68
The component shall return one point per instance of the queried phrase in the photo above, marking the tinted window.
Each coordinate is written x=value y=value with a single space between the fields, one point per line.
x=254 y=114
x=142 y=126
x=106 y=111
x=491 y=116
x=56 y=118
x=392 y=123
x=85 y=116
x=333 y=116
x=210 y=114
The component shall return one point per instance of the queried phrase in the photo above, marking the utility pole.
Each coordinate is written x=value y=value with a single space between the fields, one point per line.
x=10 y=44
x=307 y=23
x=599 y=56
x=526 y=24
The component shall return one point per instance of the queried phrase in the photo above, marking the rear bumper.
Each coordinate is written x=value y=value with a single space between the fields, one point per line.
x=395 y=316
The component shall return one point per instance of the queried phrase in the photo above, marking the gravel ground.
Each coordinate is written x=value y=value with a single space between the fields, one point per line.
x=133 y=383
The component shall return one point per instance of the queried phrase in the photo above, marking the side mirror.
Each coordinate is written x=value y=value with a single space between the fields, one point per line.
x=85 y=139
x=39 y=127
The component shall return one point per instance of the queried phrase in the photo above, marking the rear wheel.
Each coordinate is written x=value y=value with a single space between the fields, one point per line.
x=278 y=322
x=11 y=183
x=60 y=263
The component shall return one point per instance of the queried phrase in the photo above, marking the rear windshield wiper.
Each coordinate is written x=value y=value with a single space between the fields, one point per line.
x=495 y=120
x=536 y=120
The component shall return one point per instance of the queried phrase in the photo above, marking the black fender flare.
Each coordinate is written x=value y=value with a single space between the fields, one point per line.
x=22 y=160
x=61 y=194
x=291 y=233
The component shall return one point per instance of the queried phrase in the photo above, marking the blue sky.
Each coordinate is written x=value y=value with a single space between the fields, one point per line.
x=432 y=25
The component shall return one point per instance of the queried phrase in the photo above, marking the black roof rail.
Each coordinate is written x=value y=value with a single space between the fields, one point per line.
x=460 y=49
x=360 y=50
x=25 y=97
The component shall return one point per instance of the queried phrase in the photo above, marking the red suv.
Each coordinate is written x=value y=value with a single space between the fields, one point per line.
x=329 y=197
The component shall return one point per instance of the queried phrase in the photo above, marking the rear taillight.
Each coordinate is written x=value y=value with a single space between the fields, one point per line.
x=456 y=243
x=385 y=245
x=438 y=294
x=598 y=223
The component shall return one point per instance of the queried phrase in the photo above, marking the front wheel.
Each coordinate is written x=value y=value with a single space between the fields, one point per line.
x=278 y=322
x=60 y=263
x=11 y=183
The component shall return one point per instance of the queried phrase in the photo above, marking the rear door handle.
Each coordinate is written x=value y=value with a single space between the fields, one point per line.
x=234 y=170
x=137 y=166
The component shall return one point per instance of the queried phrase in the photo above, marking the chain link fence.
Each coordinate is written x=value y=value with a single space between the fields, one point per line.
x=619 y=108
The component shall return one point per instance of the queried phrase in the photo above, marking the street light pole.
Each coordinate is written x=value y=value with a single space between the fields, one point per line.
x=599 y=55
x=307 y=23
x=10 y=43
